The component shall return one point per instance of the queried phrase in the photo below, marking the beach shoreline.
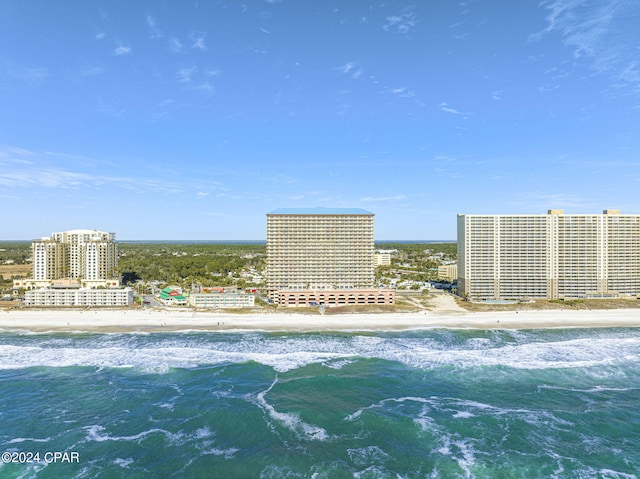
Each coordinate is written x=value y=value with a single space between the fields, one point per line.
x=173 y=320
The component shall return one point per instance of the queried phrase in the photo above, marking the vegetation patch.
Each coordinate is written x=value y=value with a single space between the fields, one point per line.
x=9 y=271
x=577 y=304
x=368 y=308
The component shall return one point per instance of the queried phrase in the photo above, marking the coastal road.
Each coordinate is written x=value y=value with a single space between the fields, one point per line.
x=153 y=302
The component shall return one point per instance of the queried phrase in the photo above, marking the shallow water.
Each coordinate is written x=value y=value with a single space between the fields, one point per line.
x=437 y=404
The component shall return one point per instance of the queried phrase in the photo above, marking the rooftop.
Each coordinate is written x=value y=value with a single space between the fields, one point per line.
x=320 y=211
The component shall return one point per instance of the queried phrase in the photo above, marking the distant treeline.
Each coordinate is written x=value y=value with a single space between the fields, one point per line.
x=215 y=263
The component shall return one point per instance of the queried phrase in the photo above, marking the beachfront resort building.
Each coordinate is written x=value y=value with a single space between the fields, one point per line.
x=69 y=266
x=320 y=249
x=86 y=255
x=381 y=258
x=448 y=272
x=552 y=256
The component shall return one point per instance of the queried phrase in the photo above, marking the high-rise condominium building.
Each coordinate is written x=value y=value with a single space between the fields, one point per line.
x=550 y=256
x=77 y=254
x=319 y=248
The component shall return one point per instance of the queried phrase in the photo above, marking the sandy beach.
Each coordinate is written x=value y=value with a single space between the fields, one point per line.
x=446 y=314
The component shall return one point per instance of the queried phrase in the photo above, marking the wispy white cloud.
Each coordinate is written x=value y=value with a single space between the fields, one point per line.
x=601 y=34
x=47 y=177
x=282 y=179
x=446 y=158
x=25 y=76
x=204 y=87
x=36 y=75
x=383 y=198
x=447 y=109
x=28 y=170
x=198 y=41
x=166 y=103
x=122 y=50
x=497 y=95
x=542 y=201
x=91 y=71
x=401 y=23
x=402 y=92
x=185 y=74
x=350 y=69
x=193 y=79
x=175 y=45
x=154 y=31
x=111 y=108
x=99 y=36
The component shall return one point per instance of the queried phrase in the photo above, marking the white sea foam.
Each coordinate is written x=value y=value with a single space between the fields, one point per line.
x=28 y=439
x=124 y=463
x=378 y=405
x=609 y=473
x=226 y=453
x=595 y=389
x=372 y=471
x=338 y=364
x=291 y=421
x=465 y=409
x=589 y=472
x=203 y=432
x=465 y=457
x=96 y=433
x=463 y=414
x=161 y=353
x=367 y=455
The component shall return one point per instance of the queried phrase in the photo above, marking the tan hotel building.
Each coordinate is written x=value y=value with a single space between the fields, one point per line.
x=551 y=256
x=86 y=256
x=318 y=255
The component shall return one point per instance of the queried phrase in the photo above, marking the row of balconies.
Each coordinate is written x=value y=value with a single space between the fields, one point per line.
x=309 y=272
x=298 y=230
x=320 y=265
x=319 y=253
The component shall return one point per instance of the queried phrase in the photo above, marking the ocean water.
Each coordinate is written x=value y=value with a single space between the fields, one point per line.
x=419 y=404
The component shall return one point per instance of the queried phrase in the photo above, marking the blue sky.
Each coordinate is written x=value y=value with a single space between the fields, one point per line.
x=193 y=119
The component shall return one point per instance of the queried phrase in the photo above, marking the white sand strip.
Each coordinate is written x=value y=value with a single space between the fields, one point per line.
x=149 y=320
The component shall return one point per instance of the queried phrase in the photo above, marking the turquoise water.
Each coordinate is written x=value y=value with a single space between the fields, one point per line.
x=428 y=404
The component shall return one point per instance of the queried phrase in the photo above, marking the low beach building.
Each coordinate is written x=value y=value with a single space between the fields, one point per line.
x=172 y=297
x=222 y=300
x=62 y=297
x=335 y=297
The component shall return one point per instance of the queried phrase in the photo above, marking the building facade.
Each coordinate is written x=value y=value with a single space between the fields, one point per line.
x=339 y=297
x=549 y=256
x=315 y=254
x=320 y=248
x=448 y=272
x=222 y=300
x=381 y=258
x=78 y=297
x=88 y=255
